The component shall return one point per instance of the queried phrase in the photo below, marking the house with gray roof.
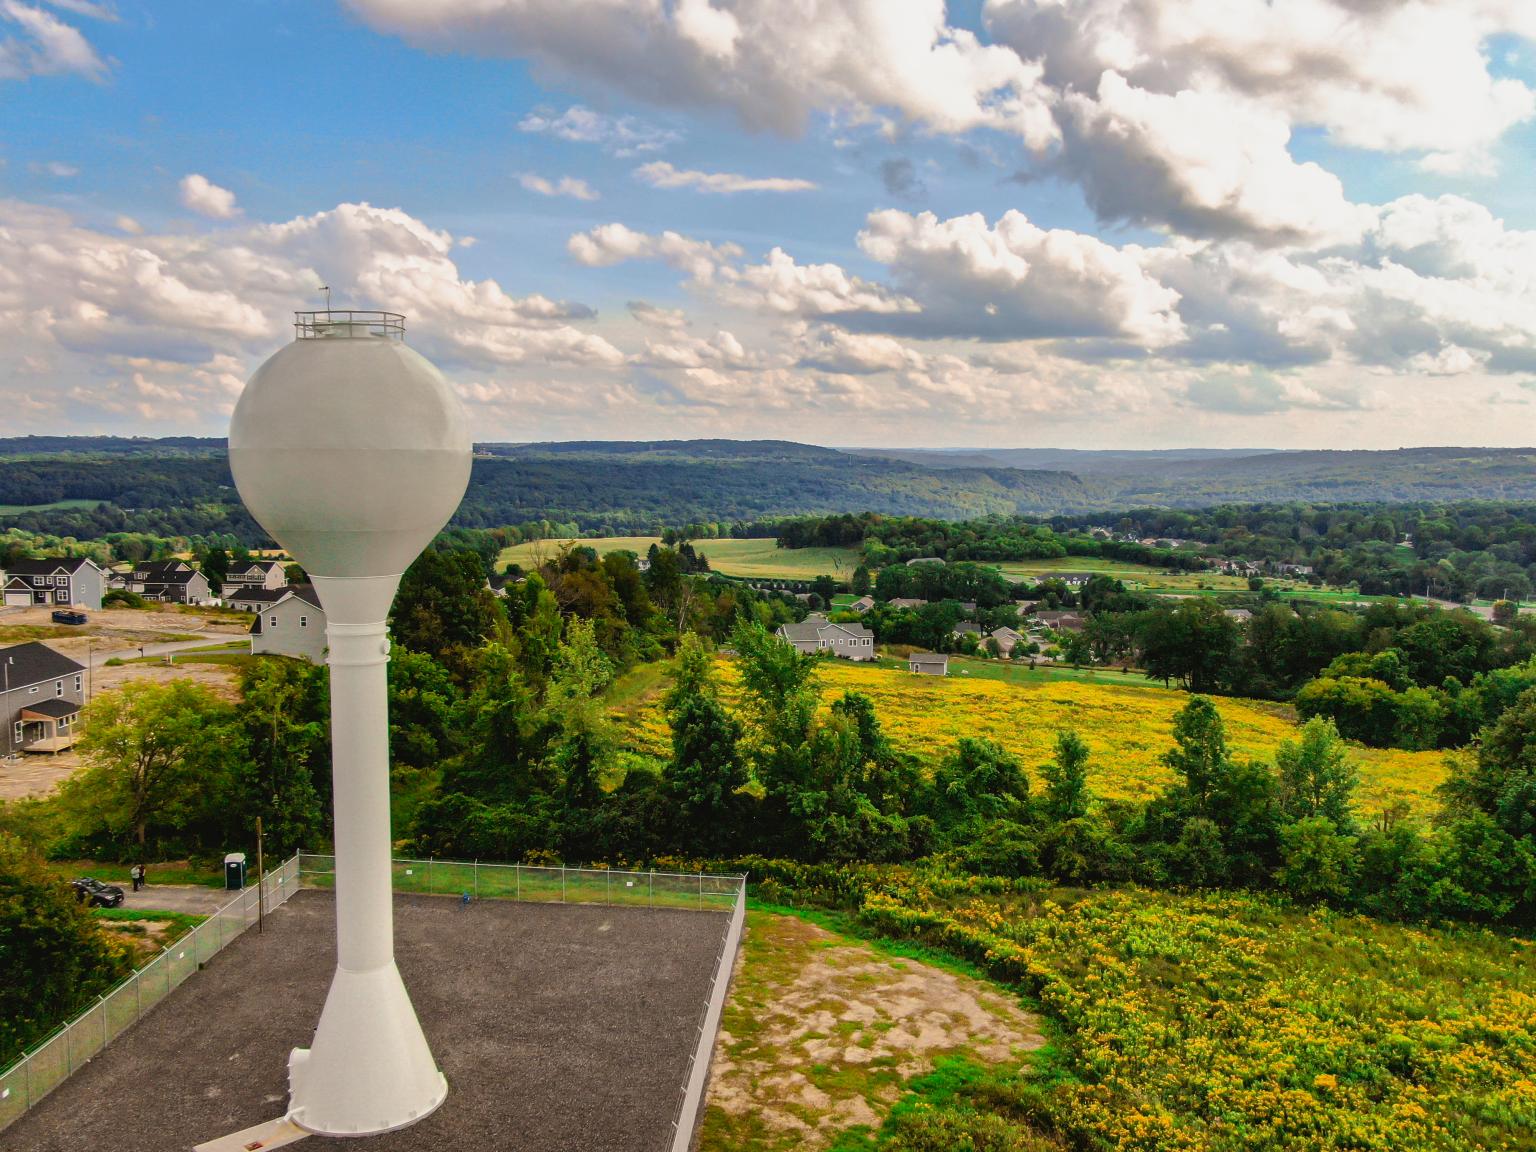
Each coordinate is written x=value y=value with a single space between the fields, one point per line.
x=56 y=580
x=293 y=626
x=815 y=636
x=906 y=602
x=928 y=664
x=1007 y=640
x=41 y=694
x=246 y=598
x=169 y=581
x=266 y=574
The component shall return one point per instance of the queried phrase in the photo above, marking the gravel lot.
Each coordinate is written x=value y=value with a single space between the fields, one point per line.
x=559 y=1027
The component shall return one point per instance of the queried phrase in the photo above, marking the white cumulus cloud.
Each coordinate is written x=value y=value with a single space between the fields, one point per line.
x=201 y=195
x=660 y=174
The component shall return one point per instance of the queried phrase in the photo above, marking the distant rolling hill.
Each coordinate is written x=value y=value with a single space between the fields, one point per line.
x=182 y=486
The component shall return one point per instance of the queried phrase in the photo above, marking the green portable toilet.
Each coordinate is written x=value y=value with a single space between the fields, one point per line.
x=234 y=871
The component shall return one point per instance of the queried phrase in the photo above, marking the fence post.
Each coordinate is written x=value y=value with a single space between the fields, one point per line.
x=430 y=889
x=652 y=887
x=104 y=1033
x=562 y=883
x=701 y=889
x=138 y=997
x=477 y=879
x=609 y=877
x=519 y=870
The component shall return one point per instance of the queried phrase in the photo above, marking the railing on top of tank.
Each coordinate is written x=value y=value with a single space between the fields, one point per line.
x=331 y=323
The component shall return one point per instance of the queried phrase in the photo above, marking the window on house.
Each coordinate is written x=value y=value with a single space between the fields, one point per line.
x=37 y=581
x=77 y=682
x=32 y=691
x=303 y=621
x=58 y=688
x=17 y=734
x=272 y=621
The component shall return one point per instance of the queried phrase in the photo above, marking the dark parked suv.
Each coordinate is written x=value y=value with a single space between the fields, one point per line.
x=92 y=892
x=67 y=616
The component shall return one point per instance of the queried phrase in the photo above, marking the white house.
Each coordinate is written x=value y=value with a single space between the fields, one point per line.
x=849 y=641
x=54 y=580
x=928 y=664
x=266 y=574
x=294 y=626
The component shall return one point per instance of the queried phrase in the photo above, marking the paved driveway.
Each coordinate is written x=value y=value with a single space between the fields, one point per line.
x=193 y=898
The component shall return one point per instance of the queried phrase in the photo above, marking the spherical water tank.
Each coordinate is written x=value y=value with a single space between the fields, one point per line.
x=349 y=447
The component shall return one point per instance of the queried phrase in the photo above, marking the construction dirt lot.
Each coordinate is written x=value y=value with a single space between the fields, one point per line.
x=558 y=1026
x=116 y=634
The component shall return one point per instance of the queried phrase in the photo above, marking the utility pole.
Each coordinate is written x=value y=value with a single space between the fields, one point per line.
x=261 y=892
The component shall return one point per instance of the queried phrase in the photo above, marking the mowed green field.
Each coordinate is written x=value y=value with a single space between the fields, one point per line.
x=18 y=509
x=759 y=559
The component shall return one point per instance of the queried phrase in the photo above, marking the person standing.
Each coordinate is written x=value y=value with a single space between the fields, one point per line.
x=136 y=873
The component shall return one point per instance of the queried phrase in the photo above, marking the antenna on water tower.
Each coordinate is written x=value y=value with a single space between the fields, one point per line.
x=352 y=451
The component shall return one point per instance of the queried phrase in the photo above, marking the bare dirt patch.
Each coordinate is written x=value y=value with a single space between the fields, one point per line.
x=821 y=1032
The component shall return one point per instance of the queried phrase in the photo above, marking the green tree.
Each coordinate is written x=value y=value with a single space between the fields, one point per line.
x=582 y=751
x=151 y=751
x=445 y=609
x=1199 y=755
x=861 y=581
x=1317 y=861
x=281 y=772
x=1066 y=779
x=706 y=774
x=1194 y=644
x=54 y=955
x=1499 y=780
x=1317 y=776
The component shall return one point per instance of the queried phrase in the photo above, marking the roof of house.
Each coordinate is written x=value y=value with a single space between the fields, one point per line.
x=966 y=628
x=928 y=658
x=32 y=663
x=256 y=595
x=1006 y=633
x=1238 y=614
x=906 y=602
x=47 y=565
x=166 y=572
x=262 y=566
x=304 y=592
x=54 y=708
x=804 y=633
x=863 y=604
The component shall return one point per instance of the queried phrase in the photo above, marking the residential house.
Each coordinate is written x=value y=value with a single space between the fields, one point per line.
x=268 y=574
x=41 y=694
x=968 y=606
x=1241 y=615
x=252 y=599
x=1061 y=621
x=928 y=664
x=1007 y=640
x=862 y=604
x=1025 y=607
x=816 y=635
x=965 y=628
x=54 y=580
x=925 y=560
x=293 y=626
x=905 y=602
x=170 y=581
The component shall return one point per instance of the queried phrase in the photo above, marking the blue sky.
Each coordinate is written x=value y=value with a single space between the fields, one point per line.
x=1016 y=231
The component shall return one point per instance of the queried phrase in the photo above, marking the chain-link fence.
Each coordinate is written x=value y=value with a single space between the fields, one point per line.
x=542 y=884
x=53 y=1061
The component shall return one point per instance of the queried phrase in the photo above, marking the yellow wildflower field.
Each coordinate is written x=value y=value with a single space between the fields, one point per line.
x=1127 y=728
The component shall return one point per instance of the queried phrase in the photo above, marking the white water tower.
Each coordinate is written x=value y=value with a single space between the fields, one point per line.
x=352 y=451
